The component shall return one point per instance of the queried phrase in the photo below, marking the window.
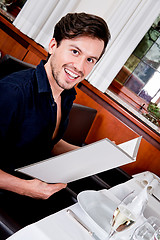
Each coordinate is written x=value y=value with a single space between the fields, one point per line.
x=141 y=72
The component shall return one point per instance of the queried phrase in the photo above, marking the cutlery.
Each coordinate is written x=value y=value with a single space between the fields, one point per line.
x=82 y=224
x=156 y=197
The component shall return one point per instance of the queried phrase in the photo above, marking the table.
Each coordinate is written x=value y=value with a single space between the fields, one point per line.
x=62 y=226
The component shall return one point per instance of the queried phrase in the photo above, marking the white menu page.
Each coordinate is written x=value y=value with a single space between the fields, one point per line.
x=83 y=162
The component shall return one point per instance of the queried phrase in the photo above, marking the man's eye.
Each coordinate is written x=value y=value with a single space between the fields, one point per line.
x=90 y=60
x=75 y=52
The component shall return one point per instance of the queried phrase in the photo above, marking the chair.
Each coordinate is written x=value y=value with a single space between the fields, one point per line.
x=9 y=64
x=80 y=122
x=7 y=225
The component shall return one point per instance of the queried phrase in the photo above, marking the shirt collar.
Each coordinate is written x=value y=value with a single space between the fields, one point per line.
x=42 y=80
x=43 y=83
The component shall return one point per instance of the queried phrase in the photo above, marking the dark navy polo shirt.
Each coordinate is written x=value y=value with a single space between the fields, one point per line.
x=28 y=116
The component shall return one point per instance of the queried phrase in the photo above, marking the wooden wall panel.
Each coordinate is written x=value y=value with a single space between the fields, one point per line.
x=38 y=51
x=8 y=45
x=106 y=125
x=17 y=44
x=32 y=58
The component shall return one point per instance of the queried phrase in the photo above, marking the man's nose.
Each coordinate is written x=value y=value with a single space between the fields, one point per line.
x=80 y=64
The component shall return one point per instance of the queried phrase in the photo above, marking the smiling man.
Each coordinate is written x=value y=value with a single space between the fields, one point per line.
x=38 y=101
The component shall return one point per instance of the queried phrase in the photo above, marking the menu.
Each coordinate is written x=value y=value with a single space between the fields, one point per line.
x=83 y=162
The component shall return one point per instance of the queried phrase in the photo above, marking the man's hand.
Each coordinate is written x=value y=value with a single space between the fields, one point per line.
x=38 y=189
x=32 y=188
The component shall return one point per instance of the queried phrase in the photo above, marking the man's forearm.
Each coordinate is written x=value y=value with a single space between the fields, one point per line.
x=63 y=147
x=33 y=188
x=11 y=183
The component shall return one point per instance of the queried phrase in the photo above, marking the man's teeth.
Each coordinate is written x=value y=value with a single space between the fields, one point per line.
x=72 y=75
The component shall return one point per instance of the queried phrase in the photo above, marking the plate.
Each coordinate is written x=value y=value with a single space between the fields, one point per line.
x=99 y=206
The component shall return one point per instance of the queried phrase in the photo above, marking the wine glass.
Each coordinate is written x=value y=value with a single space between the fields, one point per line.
x=149 y=230
x=128 y=211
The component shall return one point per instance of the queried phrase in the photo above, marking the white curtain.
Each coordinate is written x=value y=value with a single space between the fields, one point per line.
x=128 y=22
x=38 y=18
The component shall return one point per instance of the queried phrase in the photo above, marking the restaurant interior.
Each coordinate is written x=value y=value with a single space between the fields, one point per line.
x=121 y=104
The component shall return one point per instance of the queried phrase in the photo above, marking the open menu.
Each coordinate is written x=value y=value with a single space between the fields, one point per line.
x=83 y=162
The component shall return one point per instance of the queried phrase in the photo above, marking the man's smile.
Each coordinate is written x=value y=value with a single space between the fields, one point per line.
x=72 y=75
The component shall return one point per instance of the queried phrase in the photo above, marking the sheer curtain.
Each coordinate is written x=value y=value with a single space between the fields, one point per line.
x=37 y=18
x=128 y=22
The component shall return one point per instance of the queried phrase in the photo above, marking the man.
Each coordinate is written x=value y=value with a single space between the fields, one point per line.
x=35 y=104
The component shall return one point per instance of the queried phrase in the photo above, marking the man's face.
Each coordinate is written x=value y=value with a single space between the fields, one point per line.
x=73 y=59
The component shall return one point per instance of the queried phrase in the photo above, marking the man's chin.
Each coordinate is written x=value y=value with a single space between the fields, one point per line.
x=66 y=86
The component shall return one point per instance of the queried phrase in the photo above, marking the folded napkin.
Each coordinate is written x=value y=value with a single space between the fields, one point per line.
x=150 y=179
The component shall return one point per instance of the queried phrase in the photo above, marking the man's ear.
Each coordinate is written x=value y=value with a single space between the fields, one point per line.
x=52 y=46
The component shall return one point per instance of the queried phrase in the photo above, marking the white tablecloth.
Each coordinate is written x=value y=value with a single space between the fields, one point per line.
x=61 y=226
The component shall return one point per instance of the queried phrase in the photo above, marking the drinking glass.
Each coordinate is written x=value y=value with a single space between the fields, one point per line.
x=147 y=230
x=129 y=211
x=124 y=216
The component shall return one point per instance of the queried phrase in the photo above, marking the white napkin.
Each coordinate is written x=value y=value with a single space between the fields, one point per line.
x=150 y=179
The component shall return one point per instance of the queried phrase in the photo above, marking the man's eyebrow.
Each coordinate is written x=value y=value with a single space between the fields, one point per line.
x=74 y=46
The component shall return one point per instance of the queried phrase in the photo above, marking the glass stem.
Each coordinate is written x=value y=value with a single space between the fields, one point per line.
x=110 y=234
